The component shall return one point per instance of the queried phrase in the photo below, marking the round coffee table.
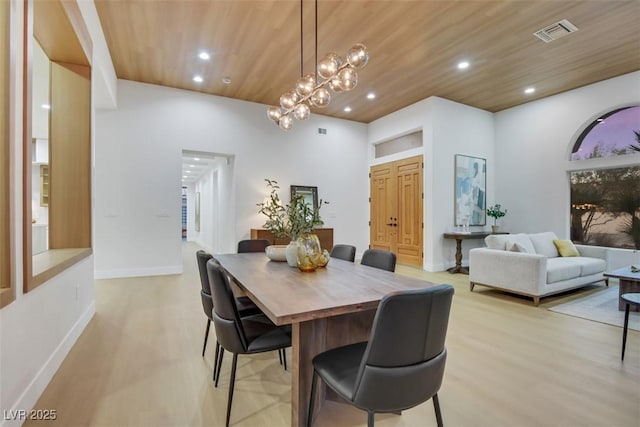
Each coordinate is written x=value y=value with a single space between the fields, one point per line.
x=631 y=299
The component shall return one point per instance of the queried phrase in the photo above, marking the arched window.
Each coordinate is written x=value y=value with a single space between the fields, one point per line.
x=605 y=203
x=612 y=134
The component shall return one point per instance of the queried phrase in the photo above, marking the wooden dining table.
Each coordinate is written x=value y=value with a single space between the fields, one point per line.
x=327 y=308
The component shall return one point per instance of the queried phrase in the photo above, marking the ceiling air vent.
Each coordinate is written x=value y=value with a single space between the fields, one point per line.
x=555 y=31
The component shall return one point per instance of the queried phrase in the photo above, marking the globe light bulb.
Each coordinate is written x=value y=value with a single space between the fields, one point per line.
x=328 y=66
x=334 y=84
x=286 y=122
x=358 y=56
x=321 y=97
x=301 y=111
x=305 y=85
x=348 y=78
x=274 y=113
x=289 y=99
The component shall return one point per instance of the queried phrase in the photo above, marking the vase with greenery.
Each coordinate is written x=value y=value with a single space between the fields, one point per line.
x=496 y=212
x=293 y=220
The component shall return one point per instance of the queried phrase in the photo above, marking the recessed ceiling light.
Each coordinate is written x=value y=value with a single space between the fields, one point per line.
x=46 y=106
x=192 y=166
x=226 y=80
x=196 y=159
x=371 y=95
x=204 y=56
x=529 y=90
x=463 y=65
x=347 y=109
x=184 y=177
x=187 y=171
x=198 y=79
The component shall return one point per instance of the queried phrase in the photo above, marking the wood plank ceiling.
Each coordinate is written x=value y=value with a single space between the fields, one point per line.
x=414 y=48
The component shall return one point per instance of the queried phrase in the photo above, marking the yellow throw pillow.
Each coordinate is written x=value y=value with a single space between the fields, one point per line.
x=566 y=248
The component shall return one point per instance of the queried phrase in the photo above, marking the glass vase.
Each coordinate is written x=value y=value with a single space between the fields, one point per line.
x=309 y=253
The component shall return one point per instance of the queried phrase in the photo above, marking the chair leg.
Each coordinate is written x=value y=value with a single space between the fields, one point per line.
x=370 y=418
x=219 y=365
x=215 y=361
x=206 y=336
x=312 y=398
x=284 y=358
x=231 y=386
x=436 y=406
x=280 y=356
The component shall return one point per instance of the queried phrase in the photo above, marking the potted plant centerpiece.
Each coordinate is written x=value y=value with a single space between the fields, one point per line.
x=496 y=212
x=294 y=221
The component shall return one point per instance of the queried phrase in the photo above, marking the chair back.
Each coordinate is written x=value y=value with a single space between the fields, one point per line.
x=254 y=245
x=202 y=257
x=226 y=318
x=379 y=258
x=403 y=364
x=345 y=252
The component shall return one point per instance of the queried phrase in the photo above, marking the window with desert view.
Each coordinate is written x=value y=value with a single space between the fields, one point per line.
x=605 y=203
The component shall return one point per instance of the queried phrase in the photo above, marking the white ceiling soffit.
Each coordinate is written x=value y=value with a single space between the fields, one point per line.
x=555 y=31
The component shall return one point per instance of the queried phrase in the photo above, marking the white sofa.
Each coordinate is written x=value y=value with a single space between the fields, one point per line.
x=529 y=264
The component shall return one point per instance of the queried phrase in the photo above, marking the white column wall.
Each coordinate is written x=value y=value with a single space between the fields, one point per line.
x=533 y=143
x=448 y=128
x=138 y=172
x=38 y=328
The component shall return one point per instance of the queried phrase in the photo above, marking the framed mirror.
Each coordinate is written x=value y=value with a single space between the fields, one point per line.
x=310 y=194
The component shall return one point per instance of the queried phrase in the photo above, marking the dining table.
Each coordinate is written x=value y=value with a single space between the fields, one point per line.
x=326 y=308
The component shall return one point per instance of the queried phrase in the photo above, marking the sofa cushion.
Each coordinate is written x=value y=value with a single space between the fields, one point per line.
x=559 y=269
x=590 y=266
x=543 y=244
x=496 y=241
x=520 y=243
x=566 y=248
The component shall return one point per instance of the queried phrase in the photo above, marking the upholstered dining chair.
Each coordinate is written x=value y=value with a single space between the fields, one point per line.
x=236 y=334
x=374 y=379
x=379 y=258
x=246 y=307
x=253 y=245
x=345 y=252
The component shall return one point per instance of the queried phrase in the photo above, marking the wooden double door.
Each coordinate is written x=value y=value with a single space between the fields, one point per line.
x=396 y=209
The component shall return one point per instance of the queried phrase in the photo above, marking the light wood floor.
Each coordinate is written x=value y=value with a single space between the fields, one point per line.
x=138 y=363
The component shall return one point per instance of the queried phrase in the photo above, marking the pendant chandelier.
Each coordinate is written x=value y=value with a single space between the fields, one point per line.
x=311 y=89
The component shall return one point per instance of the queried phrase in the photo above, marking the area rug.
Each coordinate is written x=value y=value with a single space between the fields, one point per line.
x=599 y=306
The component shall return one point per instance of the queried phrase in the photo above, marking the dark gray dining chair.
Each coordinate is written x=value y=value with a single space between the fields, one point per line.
x=246 y=307
x=374 y=379
x=345 y=252
x=253 y=245
x=236 y=334
x=379 y=258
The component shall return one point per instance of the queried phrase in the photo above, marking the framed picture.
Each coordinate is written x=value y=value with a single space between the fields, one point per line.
x=310 y=194
x=470 y=191
x=197 y=211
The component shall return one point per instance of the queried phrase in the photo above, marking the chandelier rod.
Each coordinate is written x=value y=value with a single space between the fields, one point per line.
x=316 y=53
x=301 y=41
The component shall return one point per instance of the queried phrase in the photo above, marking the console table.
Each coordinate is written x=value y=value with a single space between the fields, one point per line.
x=325 y=235
x=459 y=237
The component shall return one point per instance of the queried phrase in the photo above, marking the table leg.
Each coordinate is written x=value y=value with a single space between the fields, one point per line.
x=624 y=330
x=315 y=336
x=458 y=268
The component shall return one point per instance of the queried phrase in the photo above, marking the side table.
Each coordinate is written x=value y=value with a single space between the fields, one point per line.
x=629 y=283
x=629 y=300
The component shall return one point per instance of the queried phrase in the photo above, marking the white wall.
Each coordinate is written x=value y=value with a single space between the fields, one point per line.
x=533 y=143
x=38 y=328
x=138 y=172
x=448 y=128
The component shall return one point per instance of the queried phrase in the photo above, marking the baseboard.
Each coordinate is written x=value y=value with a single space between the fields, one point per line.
x=138 y=272
x=15 y=416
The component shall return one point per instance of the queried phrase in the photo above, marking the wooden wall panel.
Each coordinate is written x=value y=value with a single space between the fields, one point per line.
x=6 y=293
x=70 y=157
